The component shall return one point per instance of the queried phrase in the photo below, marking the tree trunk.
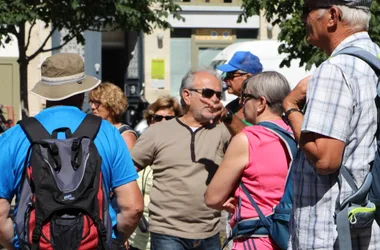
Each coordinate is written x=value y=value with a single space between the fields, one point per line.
x=23 y=67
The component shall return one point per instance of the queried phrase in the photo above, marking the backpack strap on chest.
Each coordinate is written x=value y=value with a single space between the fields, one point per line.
x=89 y=127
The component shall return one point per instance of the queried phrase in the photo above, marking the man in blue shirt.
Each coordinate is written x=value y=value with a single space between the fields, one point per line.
x=63 y=84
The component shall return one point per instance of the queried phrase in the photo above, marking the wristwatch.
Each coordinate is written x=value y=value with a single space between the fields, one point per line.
x=228 y=118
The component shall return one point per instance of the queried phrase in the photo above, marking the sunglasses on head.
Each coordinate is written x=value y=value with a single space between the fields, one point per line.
x=231 y=75
x=307 y=9
x=158 y=118
x=208 y=93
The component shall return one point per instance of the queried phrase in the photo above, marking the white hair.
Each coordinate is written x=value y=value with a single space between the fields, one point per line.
x=188 y=80
x=355 y=18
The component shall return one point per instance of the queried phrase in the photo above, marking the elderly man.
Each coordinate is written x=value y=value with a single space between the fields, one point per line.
x=185 y=153
x=338 y=125
x=242 y=65
x=63 y=84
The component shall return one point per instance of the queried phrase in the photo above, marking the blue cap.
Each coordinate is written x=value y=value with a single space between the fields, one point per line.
x=244 y=61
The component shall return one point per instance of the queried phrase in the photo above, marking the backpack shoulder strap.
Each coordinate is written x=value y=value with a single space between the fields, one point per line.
x=89 y=127
x=366 y=56
x=285 y=136
x=374 y=63
x=34 y=129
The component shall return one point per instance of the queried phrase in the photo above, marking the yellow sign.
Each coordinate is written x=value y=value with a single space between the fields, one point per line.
x=158 y=69
x=213 y=34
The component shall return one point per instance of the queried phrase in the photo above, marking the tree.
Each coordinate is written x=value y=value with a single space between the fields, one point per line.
x=76 y=16
x=287 y=14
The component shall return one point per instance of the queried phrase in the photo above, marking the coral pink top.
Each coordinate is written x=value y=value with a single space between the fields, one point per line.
x=264 y=176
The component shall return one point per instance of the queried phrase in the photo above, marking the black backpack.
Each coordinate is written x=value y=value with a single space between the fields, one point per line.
x=63 y=203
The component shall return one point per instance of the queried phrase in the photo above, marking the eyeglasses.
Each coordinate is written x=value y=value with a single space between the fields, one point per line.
x=158 y=118
x=306 y=10
x=95 y=103
x=245 y=97
x=233 y=74
x=208 y=93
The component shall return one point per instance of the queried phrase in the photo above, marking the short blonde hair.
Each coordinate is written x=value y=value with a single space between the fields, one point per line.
x=111 y=97
x=163 y=102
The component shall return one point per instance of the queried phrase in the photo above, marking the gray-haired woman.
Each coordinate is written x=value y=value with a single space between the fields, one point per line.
x=256 y=157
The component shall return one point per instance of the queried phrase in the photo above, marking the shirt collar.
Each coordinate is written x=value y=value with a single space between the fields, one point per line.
x=348 y=41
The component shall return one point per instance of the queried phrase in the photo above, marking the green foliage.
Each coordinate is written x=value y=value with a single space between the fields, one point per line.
x=76 y=16
x=80 y=15
x=287 y=14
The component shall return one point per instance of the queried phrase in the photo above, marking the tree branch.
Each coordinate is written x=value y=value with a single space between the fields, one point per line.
x=29 y=34
x=41 y=48
x=57 y=47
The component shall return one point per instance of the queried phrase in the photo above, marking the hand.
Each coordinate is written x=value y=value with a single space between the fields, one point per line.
x=216 y=108
x=126 y=244
x=230 y=205
x=297 y=97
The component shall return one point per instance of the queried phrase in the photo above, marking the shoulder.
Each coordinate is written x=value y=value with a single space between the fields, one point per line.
x=127 y=129
x=352 y=66
x=239 y=142
x=14 y=141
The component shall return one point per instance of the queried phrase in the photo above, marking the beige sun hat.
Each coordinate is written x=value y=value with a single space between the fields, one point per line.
x=63 y=76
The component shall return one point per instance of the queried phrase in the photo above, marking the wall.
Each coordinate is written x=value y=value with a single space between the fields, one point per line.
x=10 y=49
x=154 y=50
x=190 y=51
x=36 y=104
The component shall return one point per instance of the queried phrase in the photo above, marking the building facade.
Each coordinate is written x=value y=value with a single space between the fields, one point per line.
x=145 y=66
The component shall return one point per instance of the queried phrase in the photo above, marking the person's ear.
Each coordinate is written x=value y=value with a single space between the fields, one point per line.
x=334 y=16
x=186 y=95
x=262 y=104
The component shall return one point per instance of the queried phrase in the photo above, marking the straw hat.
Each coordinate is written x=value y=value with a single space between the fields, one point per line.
x=63 y=76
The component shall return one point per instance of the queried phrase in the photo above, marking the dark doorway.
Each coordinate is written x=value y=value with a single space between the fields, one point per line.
x=114 y=65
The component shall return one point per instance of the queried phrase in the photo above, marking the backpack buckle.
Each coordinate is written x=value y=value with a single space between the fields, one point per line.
x=100 y=227
x=36 y=233
x=75 y=145
x=54 y=148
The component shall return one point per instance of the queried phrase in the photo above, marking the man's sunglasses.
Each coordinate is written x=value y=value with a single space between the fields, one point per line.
x=233 y=74
x=307 y=9
x=208 y=93
x=158 y=118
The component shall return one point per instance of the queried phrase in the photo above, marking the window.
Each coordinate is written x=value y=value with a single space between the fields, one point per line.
x=227 y=1
x=247 y=33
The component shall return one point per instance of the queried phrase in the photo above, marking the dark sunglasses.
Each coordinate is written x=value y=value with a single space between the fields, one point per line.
x=307 y=9
x=233 y=74
x=208 y=93
x=158 y=118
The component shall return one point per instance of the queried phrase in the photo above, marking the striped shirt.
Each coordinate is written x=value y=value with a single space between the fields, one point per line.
x=340 y=105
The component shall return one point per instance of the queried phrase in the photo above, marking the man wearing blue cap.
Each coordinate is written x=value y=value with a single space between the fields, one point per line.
x=242 y=65
x=334 y=119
